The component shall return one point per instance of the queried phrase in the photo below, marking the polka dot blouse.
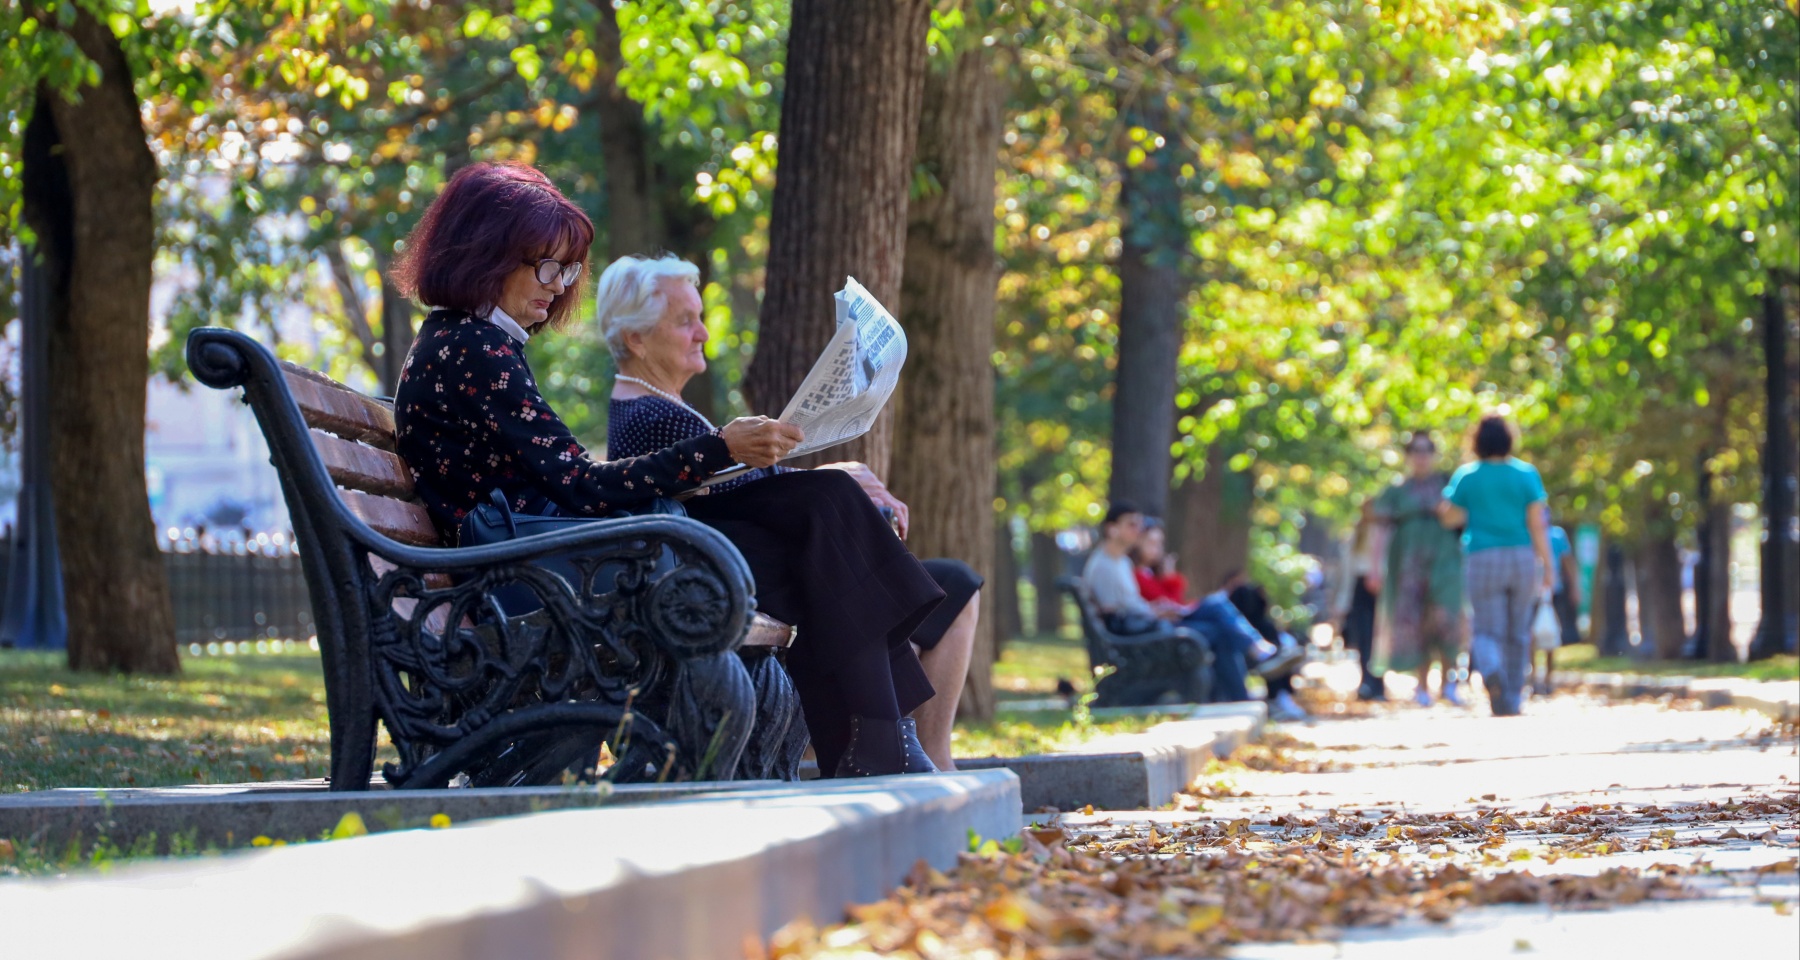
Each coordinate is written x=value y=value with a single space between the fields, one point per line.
x=640 y=425
x=469 y=419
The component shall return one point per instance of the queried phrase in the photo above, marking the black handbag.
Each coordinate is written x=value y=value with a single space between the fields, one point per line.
x=494 y=521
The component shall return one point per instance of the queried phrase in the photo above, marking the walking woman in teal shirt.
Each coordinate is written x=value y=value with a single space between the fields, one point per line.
x=1499 y=503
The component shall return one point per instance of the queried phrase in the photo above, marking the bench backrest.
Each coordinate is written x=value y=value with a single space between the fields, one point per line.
x=1093 y=629
x=354 y=438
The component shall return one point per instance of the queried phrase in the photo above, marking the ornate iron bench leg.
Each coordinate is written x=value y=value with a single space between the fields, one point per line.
x=780 y=738
x=712 y=709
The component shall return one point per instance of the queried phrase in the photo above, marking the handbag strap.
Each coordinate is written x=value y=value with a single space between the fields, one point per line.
x=498 y=501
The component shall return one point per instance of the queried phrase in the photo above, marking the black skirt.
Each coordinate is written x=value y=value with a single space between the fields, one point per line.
x=825 y=561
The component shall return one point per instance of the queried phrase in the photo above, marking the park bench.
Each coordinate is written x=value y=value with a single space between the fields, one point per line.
x=1171 y=665
x=653 y=651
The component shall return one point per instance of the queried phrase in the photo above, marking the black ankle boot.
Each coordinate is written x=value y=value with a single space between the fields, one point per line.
x=882 y=747
x=913 y=758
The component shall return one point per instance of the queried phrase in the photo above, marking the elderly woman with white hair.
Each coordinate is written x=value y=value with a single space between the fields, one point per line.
x=650 y=313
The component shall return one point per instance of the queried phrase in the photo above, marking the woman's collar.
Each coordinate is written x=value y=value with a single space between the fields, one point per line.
x=499 y=318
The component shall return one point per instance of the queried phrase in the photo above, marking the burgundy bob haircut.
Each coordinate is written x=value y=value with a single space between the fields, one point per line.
x=489 y=219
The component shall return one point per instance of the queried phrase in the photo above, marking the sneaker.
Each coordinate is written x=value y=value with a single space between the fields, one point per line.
x=1283 y=708
x=1372 y=692
x=1452 y=694
x=1283 y=661
x=1423 y=697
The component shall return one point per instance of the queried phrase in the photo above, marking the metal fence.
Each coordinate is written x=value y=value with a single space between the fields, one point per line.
x=228 y=589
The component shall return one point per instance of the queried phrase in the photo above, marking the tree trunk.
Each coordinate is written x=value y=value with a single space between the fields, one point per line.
x=1712 y=583
x=1598 y=602
x=396 y=327
x=943 y=429
x=89 y=184
x=1209 y=523
x=1660 y=622
x=1779 y=482
x=1008 y=618
x=849 y=120
x=633 y=217
x=1612 y=634
x=1152 y=297
x=1047 y=566
x=646 y=215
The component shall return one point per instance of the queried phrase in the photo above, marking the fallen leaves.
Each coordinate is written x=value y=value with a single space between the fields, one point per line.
x=1193 y=887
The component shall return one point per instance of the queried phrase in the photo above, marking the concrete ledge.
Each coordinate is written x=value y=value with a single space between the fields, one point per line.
x=1778 y=699
x=684 y=878
x=1132 y=771
x=233 y=815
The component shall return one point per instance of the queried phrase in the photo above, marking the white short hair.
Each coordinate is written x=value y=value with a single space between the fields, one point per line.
x=630 y=296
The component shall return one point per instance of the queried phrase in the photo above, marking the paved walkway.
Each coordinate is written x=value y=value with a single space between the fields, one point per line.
x=1565 y=754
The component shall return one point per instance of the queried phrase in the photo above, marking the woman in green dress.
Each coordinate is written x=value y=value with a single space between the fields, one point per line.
x=1422 y=578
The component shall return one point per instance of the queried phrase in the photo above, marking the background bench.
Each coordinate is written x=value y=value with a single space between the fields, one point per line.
x=1172 y=665
x=641 y=653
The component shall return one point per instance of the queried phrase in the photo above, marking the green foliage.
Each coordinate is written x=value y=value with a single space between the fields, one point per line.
x=1400 y=218
x=1391 y=217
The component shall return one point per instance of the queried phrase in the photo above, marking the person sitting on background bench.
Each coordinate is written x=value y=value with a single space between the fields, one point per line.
x=1157 y=577
x=499 y=257
x=649 y=313
x=1112 y=581
x=1252 y=601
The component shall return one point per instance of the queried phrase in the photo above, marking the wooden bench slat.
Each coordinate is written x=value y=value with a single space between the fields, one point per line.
x=330 y=406
x=357 y=466
x=395 y=519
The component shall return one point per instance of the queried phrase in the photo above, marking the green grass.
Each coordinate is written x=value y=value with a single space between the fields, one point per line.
x=1028 y=669
x=1030 y=666
x=225 y=720
x=256 y=717
x=1585 y=657
x=1016 y=734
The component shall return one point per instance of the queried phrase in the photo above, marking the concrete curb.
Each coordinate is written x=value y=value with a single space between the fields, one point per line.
x=1777 y=699
x=694 y=877
x=1132 y=771
x=197 y=817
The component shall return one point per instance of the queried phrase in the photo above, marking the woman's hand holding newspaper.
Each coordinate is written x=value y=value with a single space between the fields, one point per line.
x=760 y=441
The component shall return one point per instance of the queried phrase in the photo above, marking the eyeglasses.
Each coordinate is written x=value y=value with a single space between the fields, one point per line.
x=549 y=270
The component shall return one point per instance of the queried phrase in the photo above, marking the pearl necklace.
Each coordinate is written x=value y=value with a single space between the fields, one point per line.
x=672 y=398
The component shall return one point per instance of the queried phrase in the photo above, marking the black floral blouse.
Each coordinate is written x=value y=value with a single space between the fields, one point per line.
x=468 y=418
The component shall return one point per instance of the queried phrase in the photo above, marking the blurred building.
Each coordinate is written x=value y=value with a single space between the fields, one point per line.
x=206 y=462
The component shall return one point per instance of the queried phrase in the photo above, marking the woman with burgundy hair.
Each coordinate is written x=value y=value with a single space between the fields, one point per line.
x=498 y=257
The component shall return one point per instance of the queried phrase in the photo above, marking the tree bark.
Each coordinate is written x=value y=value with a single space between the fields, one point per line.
x=1008 y=618
x=1209 y=523
x=1712 y=583
x=646 y=215
x=1779 y=482
x=89 y=185
x=849 y=121
x=1610 y=631
x=396 y=326
x=633 y=217
x=1047 y=566
x=1152 y=297
x=1658 y=563
x=944 y=409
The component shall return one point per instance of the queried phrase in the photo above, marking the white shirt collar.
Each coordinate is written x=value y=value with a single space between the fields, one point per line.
x=499 y=318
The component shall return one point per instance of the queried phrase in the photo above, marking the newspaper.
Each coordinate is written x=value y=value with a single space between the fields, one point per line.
x=851 y=381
